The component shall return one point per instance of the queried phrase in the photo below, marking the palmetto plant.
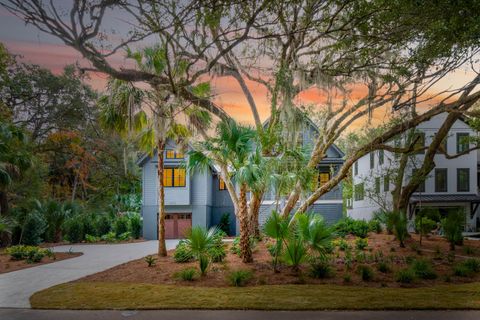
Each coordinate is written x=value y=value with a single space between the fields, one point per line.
x=276 y=227
x=199 y=240
x=315 y=233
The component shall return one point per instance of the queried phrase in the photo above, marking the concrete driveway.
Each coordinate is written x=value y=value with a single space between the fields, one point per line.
x=17 y=287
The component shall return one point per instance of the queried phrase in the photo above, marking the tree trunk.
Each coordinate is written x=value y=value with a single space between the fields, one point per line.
x=292 y=200
x=162 y=248
x=245 y=249
x=253 y=214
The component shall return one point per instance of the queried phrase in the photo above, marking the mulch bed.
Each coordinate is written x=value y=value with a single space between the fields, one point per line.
x=8 y=265
x=434 y=249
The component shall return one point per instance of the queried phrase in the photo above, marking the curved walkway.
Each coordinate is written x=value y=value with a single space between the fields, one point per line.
x=16 y=287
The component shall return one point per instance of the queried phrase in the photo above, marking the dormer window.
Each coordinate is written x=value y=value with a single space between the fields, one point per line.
x=172 y=154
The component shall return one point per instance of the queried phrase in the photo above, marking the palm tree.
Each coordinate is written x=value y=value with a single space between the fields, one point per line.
x=233 y=149
x=199 y=240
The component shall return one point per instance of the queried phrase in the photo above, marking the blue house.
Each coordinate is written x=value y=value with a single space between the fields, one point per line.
x=201 y=199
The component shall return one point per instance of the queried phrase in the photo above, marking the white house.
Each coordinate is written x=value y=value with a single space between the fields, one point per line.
x=451 y=185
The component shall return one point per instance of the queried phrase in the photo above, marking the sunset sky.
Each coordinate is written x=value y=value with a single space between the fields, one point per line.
x=39 y=48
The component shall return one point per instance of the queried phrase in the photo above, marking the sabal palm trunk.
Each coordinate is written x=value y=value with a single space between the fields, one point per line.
x=255 y=203
x=162 y=248
x=245 y=249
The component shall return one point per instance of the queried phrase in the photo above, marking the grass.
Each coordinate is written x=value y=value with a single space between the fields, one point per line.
x=109 y=295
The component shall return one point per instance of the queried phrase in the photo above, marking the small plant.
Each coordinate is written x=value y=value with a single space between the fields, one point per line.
x=224 y=223
x=473 y=264
x=188 y=274
x=347 y=278
x=400 y=227
x=125 y=236
x=239 y=278
x=383 y=267
x=416 y=248
x=321 y=269
x=451 y=257
x=91 y=239
x=348 y=259
x=235 y=247
x=135 y=225
x=468 y=250
x=217 y=253
x=406 y=275
x=31 y=254
x=423 y=269
x=366 y=273
x=204 y=262
x=151 y=261
x=343 y=245
x=453 y=225
x=461 y=270
x=361 y=243
x=109 y=237
x=182 y=253
x=361 y=257
x=375 y=225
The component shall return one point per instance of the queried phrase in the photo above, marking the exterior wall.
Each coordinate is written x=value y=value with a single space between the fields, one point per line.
x=222 y=203
x=364 y=209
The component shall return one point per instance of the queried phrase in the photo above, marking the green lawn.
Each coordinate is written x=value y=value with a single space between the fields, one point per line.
x=98 y=295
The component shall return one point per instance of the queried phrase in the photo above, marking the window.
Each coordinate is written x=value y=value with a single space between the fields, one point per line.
x=355 y=168
x=420 y=142
x=323 y=178
x=441 y=183
x=372 y=160
x=462 y=142
x=377 y=185
x=221 y=184
x=463 y=179
x=421 y=186
x=172 y=154
x=381 y=157
x=386 y=183
x=174 y=177
x=359 y=192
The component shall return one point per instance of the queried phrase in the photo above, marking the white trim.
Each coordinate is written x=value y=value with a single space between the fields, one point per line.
x=328 y=202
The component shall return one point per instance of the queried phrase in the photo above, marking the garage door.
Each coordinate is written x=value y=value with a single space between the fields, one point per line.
x=177 y=225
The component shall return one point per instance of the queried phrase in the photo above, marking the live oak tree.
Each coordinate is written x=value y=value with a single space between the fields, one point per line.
x=360 y=55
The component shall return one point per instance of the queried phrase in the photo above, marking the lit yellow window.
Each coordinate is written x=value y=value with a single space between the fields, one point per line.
x=179 y=177
x=179 y=155
x=323 y=178
x=221 y=184
x=170 y=154
x=167 y=177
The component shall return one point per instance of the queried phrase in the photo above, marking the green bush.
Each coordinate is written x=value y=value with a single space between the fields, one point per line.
x=73 y=229
x=462 y=270
x=204 y=262
x=35 y=257
x=125 y=236
x=423 y=269
x=453 y=225
x=121 y=225
x=366 y=273
x=224 y=223
x=103 y=224
x=383 y=267
x=406 y=275
x=321 y=269
x=135 y=225
x=343 y=245
x=217 y=253
x=239 y=278
x=32 y=254
x=472 y=264
x=33 y=228
x=400 y=230
x=91 y=239
x=348 y=225
x=468 y=250
x=375 y=225
x=188 y=274
x=424 y=225
x=361 y=243
x=109 y=237
x=182 y=253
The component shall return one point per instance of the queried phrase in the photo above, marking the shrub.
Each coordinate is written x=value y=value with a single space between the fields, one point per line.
x=182 y=253
x=103 y=224
x=343 y=245
x=386 y=218
x=400 y=230
x=366 y=273
x=375 y=225
x=472 y=264
x=361 y=243
x=321 y=269
x=452 y=225
x=188 y=274
x=224 y=223
x=217 y=253
x=17 y=252
x=424 y=225
x=33 y=228
x=35 y=256
x=423 y=269
x=235 y=247
x=135 y=225
x=73 y=229
x=109 y=237
x=468 y=250
x=239 y=278
x=383 y=267
x=32 y=254
x=295 y=252
x=347 y=278
x=461 y=270
x=120 y=225
x=125 y=236
x=348 y=225
x=91 y=239
x=151 y=261
x=406 y=275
